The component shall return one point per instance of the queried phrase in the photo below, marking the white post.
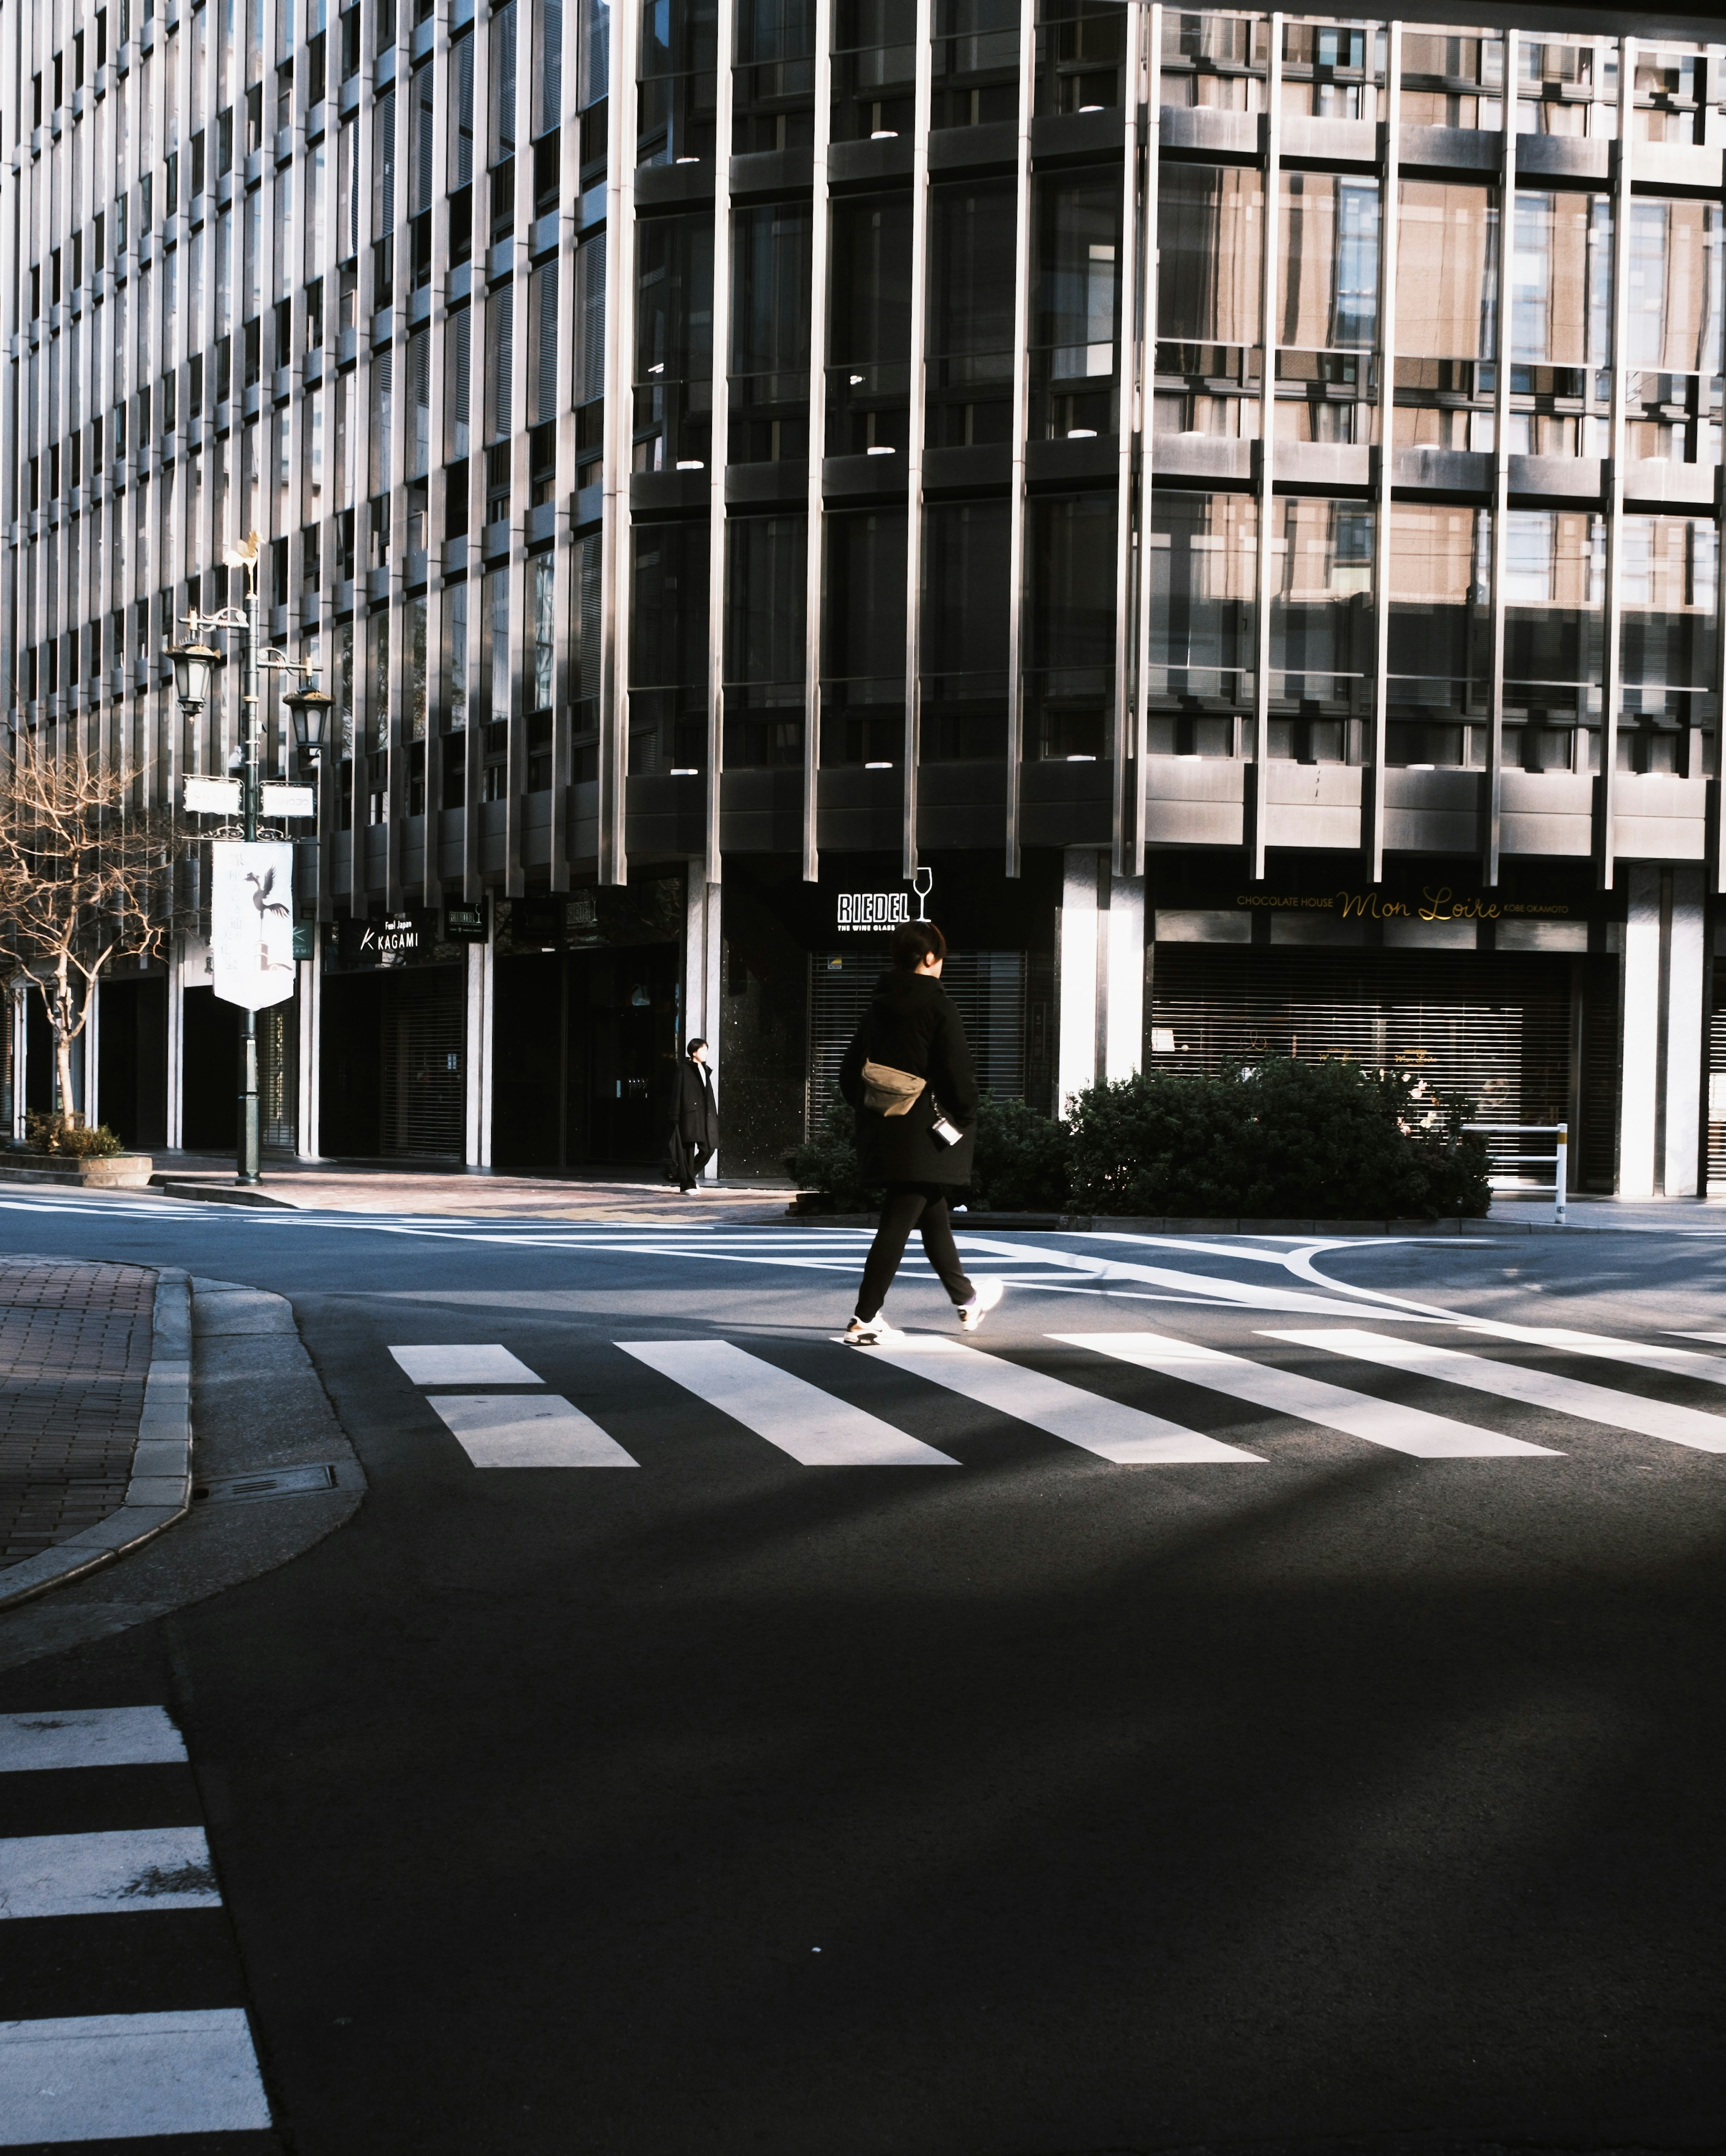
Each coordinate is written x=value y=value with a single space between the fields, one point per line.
x=477 y=1151
x=1076 y=964
x=91 y=1103
x=1640 y=1018
x=311 y=1018
x=176 y=1042
x=1124 y=979
x=19 y=1019
x=1561 y=1175
x=1685 y=973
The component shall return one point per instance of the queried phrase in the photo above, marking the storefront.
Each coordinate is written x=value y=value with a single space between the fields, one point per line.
x=1508 y=997
x=393 y=1035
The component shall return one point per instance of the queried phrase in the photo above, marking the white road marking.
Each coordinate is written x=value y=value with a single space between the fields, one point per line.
x=1718 y=1339
x=89 y=1737
x=816 y=1429
x=1673 y=1362
x=503 y=1430
x=1399 y=1429
x=1128 y=1436
x=103 y=1875
x=453 y=1364
x=126 y=2077
x=1702 y=1433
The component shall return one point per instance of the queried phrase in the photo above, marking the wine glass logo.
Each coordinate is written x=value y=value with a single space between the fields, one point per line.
x=922 y=882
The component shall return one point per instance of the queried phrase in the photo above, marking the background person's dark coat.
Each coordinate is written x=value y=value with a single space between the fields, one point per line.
x=694 y=1117
x=913 y=1025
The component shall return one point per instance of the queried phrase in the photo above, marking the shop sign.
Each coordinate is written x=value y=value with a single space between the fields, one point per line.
x=465 y=924
x=879 y=913
x=1435 y=903
x=306 y=939
x=394 y=939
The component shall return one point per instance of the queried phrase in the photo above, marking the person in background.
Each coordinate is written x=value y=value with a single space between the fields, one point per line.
x=695 y=1119
x=908 y=1074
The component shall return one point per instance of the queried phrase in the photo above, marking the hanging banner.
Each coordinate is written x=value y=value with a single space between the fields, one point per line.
x=252 y=922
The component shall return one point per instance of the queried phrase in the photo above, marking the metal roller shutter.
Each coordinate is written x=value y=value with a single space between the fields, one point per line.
x=987 y=987
x=424 y=1086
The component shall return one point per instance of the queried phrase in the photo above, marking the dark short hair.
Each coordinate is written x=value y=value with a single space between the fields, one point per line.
x=915 y=941
x=691 y=1046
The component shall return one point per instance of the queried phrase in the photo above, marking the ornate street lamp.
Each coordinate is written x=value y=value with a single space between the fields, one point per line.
x=311 y=708
x=194 y=664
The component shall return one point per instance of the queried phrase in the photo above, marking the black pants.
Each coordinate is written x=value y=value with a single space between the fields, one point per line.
x=908 y=1205
x=684 y=1159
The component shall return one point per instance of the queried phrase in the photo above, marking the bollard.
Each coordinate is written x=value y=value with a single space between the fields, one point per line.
x=1562 y=1176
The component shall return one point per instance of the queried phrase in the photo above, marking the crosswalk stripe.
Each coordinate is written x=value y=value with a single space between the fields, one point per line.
x=1540 y=1389
x=502 y=1429
x=1399 y=1429
x=126 y=2077
x=1641 y=1355
x=141 y=1870
x=1128 y=1436
x=89 y=1737
x=450 y=1363
x=816 y=1429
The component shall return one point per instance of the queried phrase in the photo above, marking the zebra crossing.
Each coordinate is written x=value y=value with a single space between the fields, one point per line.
x=88 y=1906
x=511 y=1426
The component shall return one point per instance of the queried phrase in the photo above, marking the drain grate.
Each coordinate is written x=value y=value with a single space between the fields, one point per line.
x=247 y=1489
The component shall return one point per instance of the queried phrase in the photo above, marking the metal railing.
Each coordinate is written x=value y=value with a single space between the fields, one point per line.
x=1557 y=1160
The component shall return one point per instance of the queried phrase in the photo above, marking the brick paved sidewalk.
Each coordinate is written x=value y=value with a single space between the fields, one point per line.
x=75 y=1352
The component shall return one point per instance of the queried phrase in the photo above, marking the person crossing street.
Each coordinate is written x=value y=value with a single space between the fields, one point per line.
x=693 y=1135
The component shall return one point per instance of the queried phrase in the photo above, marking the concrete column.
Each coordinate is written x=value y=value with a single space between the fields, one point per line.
x=702 y=964
x=1660 y=1104
x=1099 y=957
x=1686 y=966
x=481 y=958
x=311 y=1015
x=18 y=1017
x=86 y=1065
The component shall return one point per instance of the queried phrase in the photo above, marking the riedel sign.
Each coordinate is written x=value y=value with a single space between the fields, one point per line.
x=869 y=912
x=876 y=912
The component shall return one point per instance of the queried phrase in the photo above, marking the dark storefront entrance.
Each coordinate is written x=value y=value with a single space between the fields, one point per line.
x=587 y=1003
x=209 y=1066
x=392 y=1080
x=132 y=1060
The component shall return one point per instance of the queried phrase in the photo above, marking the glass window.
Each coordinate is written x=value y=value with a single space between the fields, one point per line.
x=863 y=638
x=1077 y=305
x=774 y=82
x=673 y=341
x=1328 y=274
x=1321 y=628
x=495 y=640
x=1561 y=280
x=972 y=275
x=1669 y=590
x=502 y=60
x=413 y=623
x=1204 y=567
x=678 y=83
x=1439 y=656
x=1554 y=656
x=873 y=68
x=1210 y=242
x=1069 y=626
x=975 y=63
x=966 y=580
x=770 y=334
x=766 y=597
x=868 y=332
x=456 y=677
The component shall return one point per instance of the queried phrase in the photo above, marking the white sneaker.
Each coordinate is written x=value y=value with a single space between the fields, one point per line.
x=871 y=1333
x=987 y=1295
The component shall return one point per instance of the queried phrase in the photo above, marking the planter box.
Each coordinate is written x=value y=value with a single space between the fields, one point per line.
x=120 y=1171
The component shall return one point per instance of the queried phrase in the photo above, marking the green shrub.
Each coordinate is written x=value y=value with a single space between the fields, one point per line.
x=66 y=1135
x=1277 y=1140
x=828 y=1162
x=1022 y=1159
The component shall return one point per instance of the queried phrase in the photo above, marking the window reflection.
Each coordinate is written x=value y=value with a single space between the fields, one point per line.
x=770 y=334
x=765 y=601
x=965 y=581
x=970 y=321
x=1069 y=626
x=674 y=343
x=1074 y=390
x=869 y=331
x=1554 y=643
x=1440 y=658
x=1321 y=629
x=1200 y=655
x=668 y=647
x=1669 y=591
x=863 y=638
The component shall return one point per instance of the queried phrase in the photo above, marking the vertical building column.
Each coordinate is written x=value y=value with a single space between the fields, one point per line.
x=719 y=450
x=1124 y=979
x=701 y=960
x=1268 y=440
x=1125 y=746
x=1613 y=689
x=1021 y=428
x=919 y=406
x=619 y=371
x=1501 y=466
x=17 y=1019
x=308 y=1107
x=818 y=235
x=1663 y=1000
x=1389 y=147
x=1080 y=939
x=481 y=960
x=86 y=1065
x=1148 y=285
x=175 y=1118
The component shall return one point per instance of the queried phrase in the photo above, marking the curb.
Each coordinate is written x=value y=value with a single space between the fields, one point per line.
x=216 y=1193
x=65 y=1177
x=160 y=1491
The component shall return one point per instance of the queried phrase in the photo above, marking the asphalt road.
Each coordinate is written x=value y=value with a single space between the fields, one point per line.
x=1357 y=1782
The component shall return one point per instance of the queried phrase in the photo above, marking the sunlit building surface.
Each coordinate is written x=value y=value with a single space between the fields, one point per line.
x=1234 y=497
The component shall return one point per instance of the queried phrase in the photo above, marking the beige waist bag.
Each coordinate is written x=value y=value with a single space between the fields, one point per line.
x=888 y=1091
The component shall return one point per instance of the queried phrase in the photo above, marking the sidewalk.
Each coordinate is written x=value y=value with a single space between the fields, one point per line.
x=76 y=1343
x=379 y=1186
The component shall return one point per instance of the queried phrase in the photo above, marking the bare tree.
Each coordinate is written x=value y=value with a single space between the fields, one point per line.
x=84 y=879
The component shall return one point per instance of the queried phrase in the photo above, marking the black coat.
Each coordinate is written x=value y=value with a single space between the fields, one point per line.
x=694 y=1117
x=913 y=1025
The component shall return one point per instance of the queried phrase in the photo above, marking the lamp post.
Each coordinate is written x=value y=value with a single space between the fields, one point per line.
x=194 y=661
